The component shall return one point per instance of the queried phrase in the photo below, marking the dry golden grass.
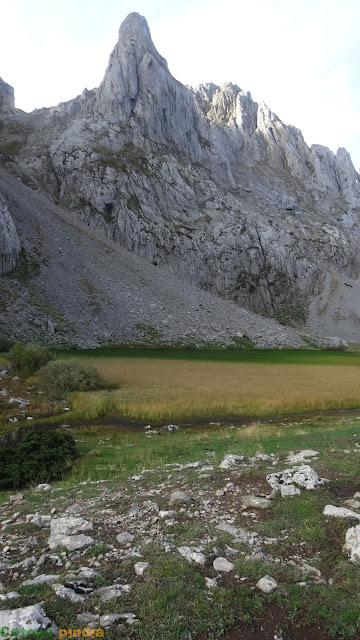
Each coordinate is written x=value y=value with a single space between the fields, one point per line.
x=167 y=389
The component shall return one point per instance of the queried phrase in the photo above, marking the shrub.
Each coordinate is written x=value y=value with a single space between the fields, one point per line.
x=28 y=359
x=5 y=344
x=35 y=457
x=61 y=376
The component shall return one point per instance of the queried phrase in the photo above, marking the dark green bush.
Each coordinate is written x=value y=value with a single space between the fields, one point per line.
x=61 y=376
x=5 y=344
x=35 y=457
x=28 y=359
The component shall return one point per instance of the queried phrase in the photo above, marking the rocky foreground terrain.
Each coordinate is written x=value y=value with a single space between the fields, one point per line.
x=86 y=556
x=203 y=181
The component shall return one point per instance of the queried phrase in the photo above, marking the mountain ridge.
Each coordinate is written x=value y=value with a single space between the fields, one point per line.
x=204 y=181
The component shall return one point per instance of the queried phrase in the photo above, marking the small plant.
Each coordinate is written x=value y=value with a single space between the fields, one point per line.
x=6 y=344
x=97 y=549
x=35 y=457
x=61 y=376
x=28 y=359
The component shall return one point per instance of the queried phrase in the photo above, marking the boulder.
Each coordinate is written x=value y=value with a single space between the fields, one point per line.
x=352 y=503
x=44 y=487
x=178 y=497
x=29 y=618
x=125 y=537
x=41 y=579
x=223 y=565
x=267 y=584
x=340 y=512
x=192 y=556
x=303 y=476
x=255 y=502
x=68 y=533
x=140 y=568
x=352 y=544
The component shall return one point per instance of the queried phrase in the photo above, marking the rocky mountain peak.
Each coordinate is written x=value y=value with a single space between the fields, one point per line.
x=203 y=180
x=134 y=65
x=135 y=29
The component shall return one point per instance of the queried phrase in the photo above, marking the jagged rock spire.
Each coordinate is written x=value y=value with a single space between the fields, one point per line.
x=133 y=52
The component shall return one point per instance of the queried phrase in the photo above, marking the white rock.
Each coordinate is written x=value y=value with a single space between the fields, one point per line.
x=87 y=573
x=211 y=583
x=108 y=619
x=302 y=455
x=221 y=564
x=44 y=487
x=166 y=514
x=255 y=502
x=267 y=584
x=41 y=521
x=352 y=544
x=289 y=490
x=192 y=556
x=304 y=476
x=114 y=591
x=178 y=497
x=231 y=461
x=263 y=456
x=12 y=595
x=353 y=504
x=125 y=537
x=64 y=592
x=140 y=568
x=41 y=579
x=340 y=512
x=32 y=617
x=67 y=532
x=228 y=528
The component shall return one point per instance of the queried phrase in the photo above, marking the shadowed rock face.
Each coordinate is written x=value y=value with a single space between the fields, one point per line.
x=203 y=180
x=7 y=104
x=9 y=241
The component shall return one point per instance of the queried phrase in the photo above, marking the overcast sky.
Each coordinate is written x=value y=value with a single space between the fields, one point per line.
x=302 y=57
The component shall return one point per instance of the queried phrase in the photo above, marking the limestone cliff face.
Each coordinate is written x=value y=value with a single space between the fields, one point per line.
x=204 y=180
x=9 y=241
x=7 y=104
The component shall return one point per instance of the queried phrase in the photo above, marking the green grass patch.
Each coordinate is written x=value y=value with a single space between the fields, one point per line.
x=263 y=356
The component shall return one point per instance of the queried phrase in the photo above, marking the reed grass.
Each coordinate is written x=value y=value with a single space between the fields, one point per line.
x=164 y=389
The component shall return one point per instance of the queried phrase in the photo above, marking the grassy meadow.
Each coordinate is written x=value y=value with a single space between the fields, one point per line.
x=121 y=469
x=170 y=600
x=108 y=452
x=173 y=385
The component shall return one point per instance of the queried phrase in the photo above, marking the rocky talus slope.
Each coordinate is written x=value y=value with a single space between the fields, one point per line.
x=204 y=181
x=74 y=287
